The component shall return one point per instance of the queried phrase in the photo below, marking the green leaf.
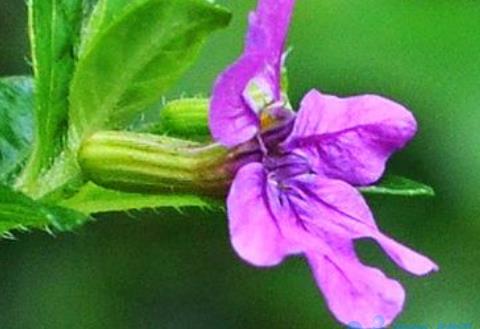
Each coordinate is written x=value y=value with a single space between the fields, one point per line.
x=93 y=199
x=132 y=53
x=54 y=30
x=396 y=185
x=18 y=212
x=16 y=124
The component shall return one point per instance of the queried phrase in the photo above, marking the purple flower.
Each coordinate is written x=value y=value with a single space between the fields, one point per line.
x=299 y=197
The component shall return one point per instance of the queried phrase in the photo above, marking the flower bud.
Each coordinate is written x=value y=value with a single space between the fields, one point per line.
x=186 y=118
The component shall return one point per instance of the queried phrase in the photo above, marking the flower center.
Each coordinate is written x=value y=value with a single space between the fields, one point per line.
x=283 y=166
x=265 y=103
x=267 y=121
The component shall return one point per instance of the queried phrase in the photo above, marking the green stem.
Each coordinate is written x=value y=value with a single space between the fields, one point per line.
x=53 y=183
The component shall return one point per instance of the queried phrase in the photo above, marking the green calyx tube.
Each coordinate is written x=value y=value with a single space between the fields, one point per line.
x=139 y=162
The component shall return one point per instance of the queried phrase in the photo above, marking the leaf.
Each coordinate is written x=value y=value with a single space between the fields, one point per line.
x=19 y=212
x=102 y=15
x=88 y=7
x=132 y=53
x=93 y=199
x=54 y=30
x=396 y=185
x=16 y=124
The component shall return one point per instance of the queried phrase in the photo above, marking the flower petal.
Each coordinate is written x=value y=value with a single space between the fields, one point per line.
x=351 y=138
x=331 y=206
x=231 y=120
x=325 y=216
x=334 y=208
x=405 y=257
x=254 y=233
x=267 y=34
x=358 y=295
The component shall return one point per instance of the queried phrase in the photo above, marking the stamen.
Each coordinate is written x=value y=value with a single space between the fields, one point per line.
x=262 y=145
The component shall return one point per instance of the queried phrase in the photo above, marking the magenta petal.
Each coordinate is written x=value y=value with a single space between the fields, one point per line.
x=406 y=258
x=268 y=27
x=253 y=231
x=267 y=35
x=331 y=206
x=351 y=138
x=231 y=120
x=355 y=293
x=334 y=208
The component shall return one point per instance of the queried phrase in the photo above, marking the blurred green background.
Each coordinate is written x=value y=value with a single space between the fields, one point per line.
x=177 y=270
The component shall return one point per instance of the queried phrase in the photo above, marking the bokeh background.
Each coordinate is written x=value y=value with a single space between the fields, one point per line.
x=168 y=269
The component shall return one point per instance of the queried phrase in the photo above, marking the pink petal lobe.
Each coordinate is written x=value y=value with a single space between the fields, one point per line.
x=330 y=207
x=406 y=258
x=356 y=293
x=254 y=233
x=268 y=29
x=351 y=138
x=231 y=119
